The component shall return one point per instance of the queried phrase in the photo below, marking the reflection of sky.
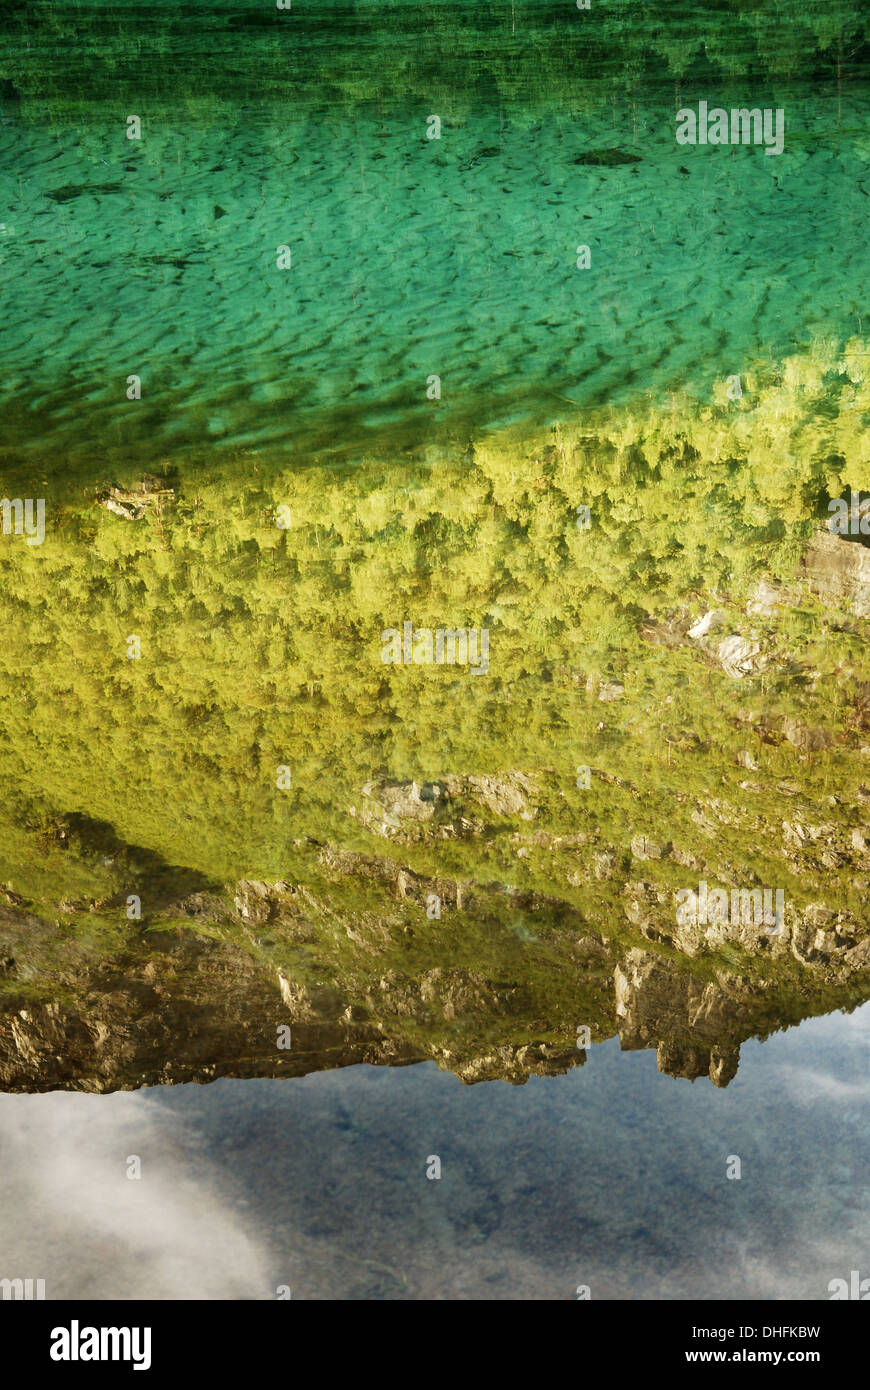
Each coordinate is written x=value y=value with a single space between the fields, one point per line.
x=612 y=1176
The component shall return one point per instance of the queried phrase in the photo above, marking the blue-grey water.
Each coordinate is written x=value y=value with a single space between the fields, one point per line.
x=612 y=1176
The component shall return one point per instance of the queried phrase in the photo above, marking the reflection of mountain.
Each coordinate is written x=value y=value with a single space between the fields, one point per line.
x=677 y=694
x=498 y=988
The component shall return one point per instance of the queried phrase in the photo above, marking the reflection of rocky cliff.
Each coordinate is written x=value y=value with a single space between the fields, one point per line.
x=498 y=988
x=691 y=1025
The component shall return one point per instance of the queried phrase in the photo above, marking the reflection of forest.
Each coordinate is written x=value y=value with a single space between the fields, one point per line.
x=195 y=714
x=677 y=692
x=261 y=647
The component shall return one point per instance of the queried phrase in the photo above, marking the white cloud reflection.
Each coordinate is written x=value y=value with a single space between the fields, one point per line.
x=70 y=1215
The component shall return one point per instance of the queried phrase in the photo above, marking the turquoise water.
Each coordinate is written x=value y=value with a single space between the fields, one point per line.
x=411 y=257
x=612 y=1176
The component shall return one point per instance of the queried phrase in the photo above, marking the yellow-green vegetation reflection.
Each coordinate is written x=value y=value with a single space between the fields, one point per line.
x=261 y=649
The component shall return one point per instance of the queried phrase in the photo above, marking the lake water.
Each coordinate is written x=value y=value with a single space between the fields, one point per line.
x=377 y=302
x=410 y=256
x=612 y=1176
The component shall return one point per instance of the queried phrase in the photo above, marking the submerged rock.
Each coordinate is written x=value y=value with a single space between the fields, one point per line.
x=401 y=810
x=800 y=736
x=768 y=596
x=838 y=571
x=738 y=657
x=253 y=901
x=132 y=504
x=642 y=848
x=710 y=620
x=404 y=802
